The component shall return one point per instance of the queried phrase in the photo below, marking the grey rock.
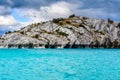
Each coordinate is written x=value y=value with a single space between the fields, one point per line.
x=69 y=33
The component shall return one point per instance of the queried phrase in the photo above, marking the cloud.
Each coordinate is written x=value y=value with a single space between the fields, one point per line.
x=10 y=2
x=57 y=8
x=4 y=10
x=107 y=6
x=44 y=13
x=27 y=3
x=64 y=9
x=7 y=20
x=8 y=23
x=96 y=13
x=14 y=11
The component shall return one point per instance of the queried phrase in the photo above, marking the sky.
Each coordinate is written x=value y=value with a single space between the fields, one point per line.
x=15 y=14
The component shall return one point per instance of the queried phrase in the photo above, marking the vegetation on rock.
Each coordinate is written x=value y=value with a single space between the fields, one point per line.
x=71 y=32
x=8 y=32
x=110 y=21
x=57 y=20
x=71 y=16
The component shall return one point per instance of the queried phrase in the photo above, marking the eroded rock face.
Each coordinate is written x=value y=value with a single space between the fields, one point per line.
x=72 y=32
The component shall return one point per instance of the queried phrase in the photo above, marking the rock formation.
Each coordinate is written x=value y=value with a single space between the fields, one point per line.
x=71 y=32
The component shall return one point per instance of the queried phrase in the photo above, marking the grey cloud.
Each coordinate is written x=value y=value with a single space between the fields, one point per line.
x=108 y=5
x=4 y=10
x=27 y=3
x=91 y=8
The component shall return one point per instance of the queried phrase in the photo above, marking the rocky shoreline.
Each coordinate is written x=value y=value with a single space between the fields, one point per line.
x=57 y=46
x=71 y=32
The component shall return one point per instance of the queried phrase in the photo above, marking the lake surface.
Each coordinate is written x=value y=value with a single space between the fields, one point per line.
x=59 y=64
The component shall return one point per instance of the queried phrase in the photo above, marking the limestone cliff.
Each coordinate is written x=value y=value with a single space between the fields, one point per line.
x=72 y=32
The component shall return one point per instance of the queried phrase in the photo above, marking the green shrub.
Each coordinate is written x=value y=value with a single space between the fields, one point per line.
x=15 y=31
x=71 y=16
x=57 y=20
x=22 y=32
x=102 y=33
x=37 y=36
x=115 y=43
x=118 y=25
x=85 y=17
x=8 y=32
x=68 y=22
x=110 y=21
x=62 y=33
x=81 y=25
x=75 y=24
x=61 y=23
x=38 y=23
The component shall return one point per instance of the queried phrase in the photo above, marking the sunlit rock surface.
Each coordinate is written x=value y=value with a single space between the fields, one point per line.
x=72 y=32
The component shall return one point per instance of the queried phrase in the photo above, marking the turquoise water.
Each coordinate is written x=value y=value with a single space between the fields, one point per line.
x=59 y=64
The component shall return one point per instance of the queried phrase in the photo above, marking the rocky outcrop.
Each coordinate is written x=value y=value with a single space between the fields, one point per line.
x=72 y=32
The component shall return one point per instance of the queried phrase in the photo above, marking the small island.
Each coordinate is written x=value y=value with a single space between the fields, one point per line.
x=71 y=32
